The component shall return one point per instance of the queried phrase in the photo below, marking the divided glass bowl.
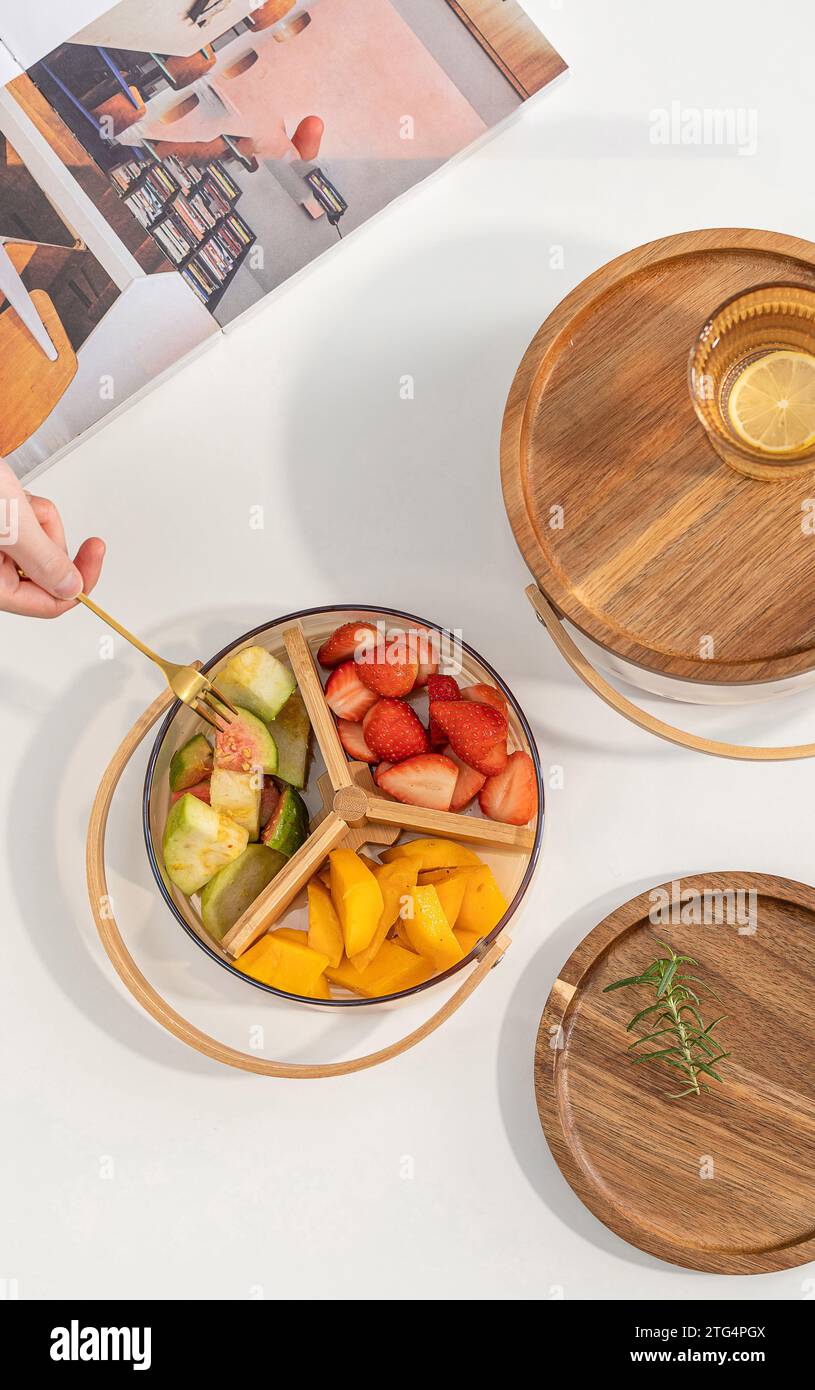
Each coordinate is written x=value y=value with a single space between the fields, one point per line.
x=511 y=852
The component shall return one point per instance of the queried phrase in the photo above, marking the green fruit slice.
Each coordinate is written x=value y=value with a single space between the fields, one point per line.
x=198 y=842
x=257 y=681
x=227 y=895
x=287 y=828
x=237 y=795
x=246 y=745
x=190 y=764
x=291 y=731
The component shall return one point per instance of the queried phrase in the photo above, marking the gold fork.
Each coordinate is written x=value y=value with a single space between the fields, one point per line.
x=188 y=685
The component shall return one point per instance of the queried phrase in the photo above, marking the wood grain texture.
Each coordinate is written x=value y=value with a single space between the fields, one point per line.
x=30 y=385
x=662 y=549
x=636 y=1158
x=150 y=999
x=515 y=44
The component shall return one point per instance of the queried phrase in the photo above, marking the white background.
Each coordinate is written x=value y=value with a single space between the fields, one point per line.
x=225 y=1185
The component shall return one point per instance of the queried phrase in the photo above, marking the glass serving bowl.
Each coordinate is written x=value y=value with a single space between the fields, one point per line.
x=513 y=867
x=747 y=327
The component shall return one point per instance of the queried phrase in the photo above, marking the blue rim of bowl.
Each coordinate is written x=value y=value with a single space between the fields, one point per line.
x=478 y=950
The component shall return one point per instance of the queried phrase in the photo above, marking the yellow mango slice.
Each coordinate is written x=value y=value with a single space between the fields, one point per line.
x=393 y=971
x=324 y=930
x=466 y=940
x=483 y=905
x=285 y=964
x=428 y=929
x=451 y=895
x=433 y=854
x=402 y=936
x=322 y=989
x=357 y=899
x=395 y=881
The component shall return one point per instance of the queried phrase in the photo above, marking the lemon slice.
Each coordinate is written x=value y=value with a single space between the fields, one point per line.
x=772 y=405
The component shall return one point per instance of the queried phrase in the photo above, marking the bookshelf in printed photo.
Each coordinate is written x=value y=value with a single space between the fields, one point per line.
x=190 y=212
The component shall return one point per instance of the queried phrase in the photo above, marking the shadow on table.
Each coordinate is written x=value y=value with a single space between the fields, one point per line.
x=516 y=1086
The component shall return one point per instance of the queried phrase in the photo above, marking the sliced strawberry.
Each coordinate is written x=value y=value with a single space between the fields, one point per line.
x=495 y=761
x=388 y=669
x=383 y=767
x=511 y=796
x=428 y=780
x=424 y=645
x=474 y=732
x=343 y=644
x=269 y=798
x=394 y=731
x=440 y=688
x=469 y=782
x=346 y=695
x=485 y=695
x=352 y=738
x=201 y=790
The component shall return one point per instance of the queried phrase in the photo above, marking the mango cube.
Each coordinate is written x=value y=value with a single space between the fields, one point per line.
x=357 y=899
x=451 y=895
x=395 y=881
x=393 y=970
x=324 y=929
x=428 y=930
x=433 y=854
x=466 y=940
x=285 y=964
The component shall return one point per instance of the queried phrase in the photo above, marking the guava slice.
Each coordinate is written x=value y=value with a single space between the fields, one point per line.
x=287 y=828
x=227 y=895
x=190 y=764
x=237 y=794
x=291 y=731
x=197 y=842
x=246 y=745
x=257 y=681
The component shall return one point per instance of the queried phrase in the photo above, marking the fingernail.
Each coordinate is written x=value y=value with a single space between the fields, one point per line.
x=70 y=586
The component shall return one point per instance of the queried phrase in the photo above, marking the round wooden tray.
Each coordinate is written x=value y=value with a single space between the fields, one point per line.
x=347 y=809
x=630 y=522
x=723 y=1182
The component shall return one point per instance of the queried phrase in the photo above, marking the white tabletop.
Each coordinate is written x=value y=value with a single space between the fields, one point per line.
x=133 y=1166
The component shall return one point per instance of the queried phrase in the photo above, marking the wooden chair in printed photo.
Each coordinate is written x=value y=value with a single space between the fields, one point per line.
x=31 y=385
x=270 y=13
x=181 y=72
x=292 y=27
x=240 y=66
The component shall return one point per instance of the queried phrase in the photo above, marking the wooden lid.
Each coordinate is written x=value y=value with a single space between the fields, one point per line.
x=724 y=1181
x=628 y=519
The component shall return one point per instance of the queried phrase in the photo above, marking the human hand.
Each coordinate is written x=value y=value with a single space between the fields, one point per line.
x=32 y=537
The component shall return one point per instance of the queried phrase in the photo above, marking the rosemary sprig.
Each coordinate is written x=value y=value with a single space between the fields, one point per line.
x=675 y=1018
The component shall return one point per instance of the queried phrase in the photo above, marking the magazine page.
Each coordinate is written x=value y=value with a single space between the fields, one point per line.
x=247 y=138
x=90 y=311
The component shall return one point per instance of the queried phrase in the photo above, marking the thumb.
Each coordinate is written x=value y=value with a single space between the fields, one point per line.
x=44 y=562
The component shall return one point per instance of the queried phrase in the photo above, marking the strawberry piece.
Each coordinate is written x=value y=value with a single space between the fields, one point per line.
x=485 y=695
x=352 y=738
x=346 y=695
x=440 y=688
x=511 y=796
x=383 y=767
x=344 y=643
x=393 y=731
x=388 y=669
x=423 y=647
x=469 y=782
x=427 y=780
x=201 y=790
x=474 y=732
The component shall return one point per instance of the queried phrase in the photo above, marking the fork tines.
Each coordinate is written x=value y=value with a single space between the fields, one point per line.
x=206 y=708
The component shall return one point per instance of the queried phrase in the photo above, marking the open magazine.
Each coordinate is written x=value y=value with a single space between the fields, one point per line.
x=175 y=161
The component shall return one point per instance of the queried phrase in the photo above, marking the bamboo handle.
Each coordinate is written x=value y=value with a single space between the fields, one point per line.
x=580 y=664
x=322 y=720
x=158 y=1008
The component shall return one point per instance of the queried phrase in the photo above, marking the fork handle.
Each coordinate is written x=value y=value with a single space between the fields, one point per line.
x=117 y=627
